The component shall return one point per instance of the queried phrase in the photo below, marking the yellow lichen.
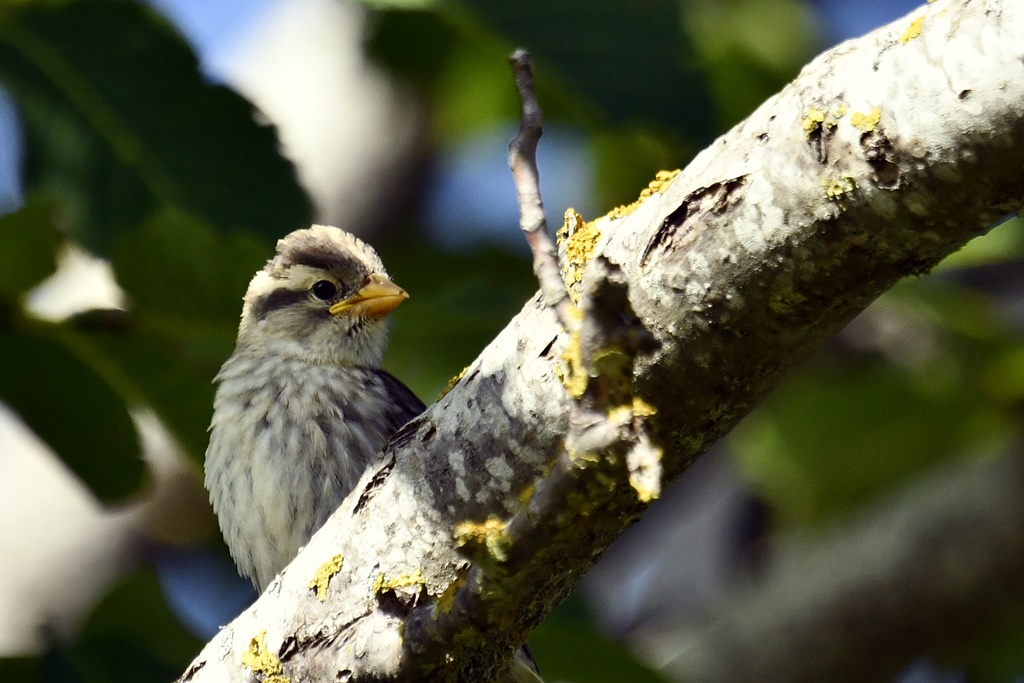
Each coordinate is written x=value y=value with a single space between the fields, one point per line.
x=489 y=533
x=452 y=382
x=835 y=188
x=573 y=376
x=645 y=474
x=383 y=584
x=322 y=579
x=625 y=413
x=866 y=122
x=579 y=238
x=813 y=120
x=263 y=661
x=582 y=458
x=819 y=119
x=644 y=493
x=661 y=181
x=446 y=600
x=527 y=493
x=913 y=31
x=642 y=408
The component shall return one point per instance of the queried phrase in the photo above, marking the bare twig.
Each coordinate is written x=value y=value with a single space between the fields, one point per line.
x=607 y=434
x=522 y=160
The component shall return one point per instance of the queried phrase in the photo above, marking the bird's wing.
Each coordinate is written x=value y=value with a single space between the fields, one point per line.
x=405 y=405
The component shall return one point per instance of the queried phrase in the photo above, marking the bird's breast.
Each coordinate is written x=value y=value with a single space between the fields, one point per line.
x=288 y=442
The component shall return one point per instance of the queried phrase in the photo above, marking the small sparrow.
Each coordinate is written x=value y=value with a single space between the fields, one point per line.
x=302 y=405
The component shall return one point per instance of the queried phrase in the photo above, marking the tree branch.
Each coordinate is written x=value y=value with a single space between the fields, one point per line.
x=883 y=156
x=923 y=572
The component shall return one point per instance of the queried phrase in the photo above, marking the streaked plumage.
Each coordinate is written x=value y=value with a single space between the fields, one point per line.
x=302 y=404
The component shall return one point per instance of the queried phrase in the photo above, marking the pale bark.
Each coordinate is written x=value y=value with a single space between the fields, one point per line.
x=886 y=154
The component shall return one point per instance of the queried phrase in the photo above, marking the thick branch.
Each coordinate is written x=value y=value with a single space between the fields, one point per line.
x=885 y=155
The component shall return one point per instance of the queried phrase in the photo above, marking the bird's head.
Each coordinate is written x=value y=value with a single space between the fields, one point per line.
x=324 y=298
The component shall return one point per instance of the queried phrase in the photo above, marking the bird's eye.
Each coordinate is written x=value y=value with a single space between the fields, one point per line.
x=324 y=290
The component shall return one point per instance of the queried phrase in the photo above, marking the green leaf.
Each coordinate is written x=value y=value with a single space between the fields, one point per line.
x=185 y=284
x=456 y=308
x=829 y=441
x=569 y=648
x=119 y=122
x=631 y=59
x=181 y=275
x=169 y=371
x=65 y=401
x=28 y=247
x=139 y=599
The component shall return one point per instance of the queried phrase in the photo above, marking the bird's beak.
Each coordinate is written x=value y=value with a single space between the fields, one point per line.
x=375 y=299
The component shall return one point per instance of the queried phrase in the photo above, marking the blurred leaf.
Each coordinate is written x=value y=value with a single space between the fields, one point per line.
x=1003 y=243
x=24 y=670
x=929 y=371
x=28 y=247
x=631 y=62
x=628 y=160
x=631 y=59
x=183 y=276
x=750 y=49
x=139 y=599
x=119 y=122
x=457 y=305
x=64 y=400
x=998 y=657
x=568 y=648
x=185 y=284
x=168 y=371
x=829 y=440
x=414 y=44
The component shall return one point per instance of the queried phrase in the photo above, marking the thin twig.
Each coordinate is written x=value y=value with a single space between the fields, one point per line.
x=608 y=461
x=522 y=160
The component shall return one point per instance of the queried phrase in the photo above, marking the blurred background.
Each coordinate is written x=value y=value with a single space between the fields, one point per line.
x=151 y=154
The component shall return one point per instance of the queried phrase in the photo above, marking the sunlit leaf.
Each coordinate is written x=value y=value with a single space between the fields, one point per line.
x=119 y=122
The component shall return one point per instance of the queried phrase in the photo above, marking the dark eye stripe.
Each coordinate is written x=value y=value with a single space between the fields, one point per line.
x=279 y=298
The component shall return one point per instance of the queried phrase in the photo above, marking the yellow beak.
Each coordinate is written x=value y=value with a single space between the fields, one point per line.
x=375 y=299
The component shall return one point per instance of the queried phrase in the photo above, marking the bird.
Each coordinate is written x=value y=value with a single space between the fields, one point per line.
x=302 y=405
